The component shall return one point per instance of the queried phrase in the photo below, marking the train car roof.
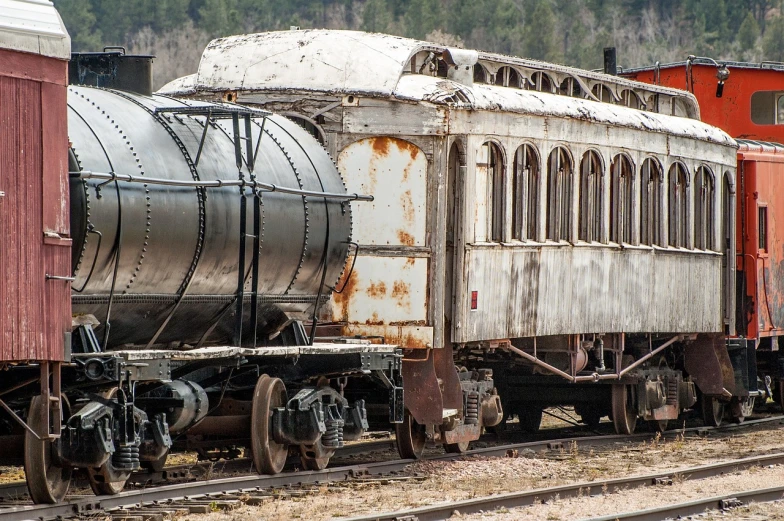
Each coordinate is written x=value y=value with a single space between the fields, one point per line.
x=357 y=62
x=33 y=26
x=765 y=66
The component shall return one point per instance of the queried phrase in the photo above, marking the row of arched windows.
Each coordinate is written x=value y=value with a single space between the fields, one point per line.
x=656 y=195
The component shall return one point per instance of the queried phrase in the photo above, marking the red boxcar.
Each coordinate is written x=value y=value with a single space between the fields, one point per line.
x=35 y=317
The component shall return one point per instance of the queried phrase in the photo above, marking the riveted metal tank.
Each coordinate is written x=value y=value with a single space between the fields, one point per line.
x=163 y=261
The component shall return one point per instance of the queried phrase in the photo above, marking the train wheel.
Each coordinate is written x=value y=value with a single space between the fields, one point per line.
x=47 y=480
x=712 y=411
x=624 y=412
x=457 y=448
x=314 y=457
x=410 y=437
x=530 y=419
x=741 y=408
x=268 y=455
x=107 y=480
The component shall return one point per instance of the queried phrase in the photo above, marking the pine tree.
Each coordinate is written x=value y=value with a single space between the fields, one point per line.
x=540 y=42
x=773 y=41
x=748 y=32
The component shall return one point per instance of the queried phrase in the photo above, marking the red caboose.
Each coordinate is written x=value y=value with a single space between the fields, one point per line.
x=35 y=256
x=747 y=101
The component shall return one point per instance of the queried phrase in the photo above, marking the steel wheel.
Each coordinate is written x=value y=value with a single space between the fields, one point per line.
x=47 y=481
x=712 y=411
x=624 y=412
x=457 y=448
x=107 y=480
x=268 y=455
x=315 y=457
x=410 y=437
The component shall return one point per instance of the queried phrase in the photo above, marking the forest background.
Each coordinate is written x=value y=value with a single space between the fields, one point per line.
x=571 y=32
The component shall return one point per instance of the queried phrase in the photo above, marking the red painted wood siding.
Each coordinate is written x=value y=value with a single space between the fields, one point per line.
x=35 y=313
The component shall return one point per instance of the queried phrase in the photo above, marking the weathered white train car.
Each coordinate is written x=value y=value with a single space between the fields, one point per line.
x=524 y=212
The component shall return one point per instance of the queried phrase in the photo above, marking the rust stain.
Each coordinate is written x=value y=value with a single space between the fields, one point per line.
x=405 y=238
x=405 y=146
x=343 y=299
x=409 y=263
x=377 y=290
x=407 y=204
x=381 y=146
x=374 y=320
x=401 y=293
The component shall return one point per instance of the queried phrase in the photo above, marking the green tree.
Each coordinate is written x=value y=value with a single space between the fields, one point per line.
x=540 y=40
x=748 y=32
x=81 y=22
x=773 y=41
x=376 y=16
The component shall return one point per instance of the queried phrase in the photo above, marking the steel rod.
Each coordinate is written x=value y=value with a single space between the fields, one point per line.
x=538 y=362
x=218 y=183
x=649 y=355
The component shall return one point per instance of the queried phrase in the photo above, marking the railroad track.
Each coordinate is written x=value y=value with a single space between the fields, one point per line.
x=204 y=495
x=529 y=497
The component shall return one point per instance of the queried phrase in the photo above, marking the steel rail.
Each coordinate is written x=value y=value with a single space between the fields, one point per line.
x=699 y=506
x=530 y=497
x=79 y=505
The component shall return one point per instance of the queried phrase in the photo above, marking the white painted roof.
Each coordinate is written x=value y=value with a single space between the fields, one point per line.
x=322 y=60
x=490 y=97
x=367 y=64
x=33 y=26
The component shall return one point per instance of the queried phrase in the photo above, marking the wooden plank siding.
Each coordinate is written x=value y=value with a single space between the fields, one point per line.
x=35 y=314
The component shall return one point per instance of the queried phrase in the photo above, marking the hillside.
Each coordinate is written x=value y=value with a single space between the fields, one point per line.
x=565 y=31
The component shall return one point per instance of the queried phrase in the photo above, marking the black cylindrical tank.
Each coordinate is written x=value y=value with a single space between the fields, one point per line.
x=170 y=255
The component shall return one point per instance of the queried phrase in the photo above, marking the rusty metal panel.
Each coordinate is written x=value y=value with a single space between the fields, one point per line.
x=33 y=318
x=556 y=290
x=394 y=171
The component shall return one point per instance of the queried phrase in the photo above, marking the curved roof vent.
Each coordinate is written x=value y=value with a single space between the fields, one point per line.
x=461 y=65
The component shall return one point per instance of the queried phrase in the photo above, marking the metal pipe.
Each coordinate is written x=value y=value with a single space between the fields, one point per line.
x=650 y=355
x=538 y=362
x=218 y=183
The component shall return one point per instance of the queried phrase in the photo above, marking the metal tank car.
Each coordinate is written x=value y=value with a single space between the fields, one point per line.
x=540 y=235
x=747 y=101
x=160 y=258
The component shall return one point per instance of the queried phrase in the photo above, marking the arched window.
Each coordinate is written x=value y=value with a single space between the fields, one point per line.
x=480 y=74
x=677 y=205
x=490 y=193
x=630 y=99
x=507 y=77
x=651 y=189
x=591 y=180
x=704 y=218
x=602 y=92
x=571 y=87
x=541 y=82
x=621 y=199
x=559 y=194
x=526 y=193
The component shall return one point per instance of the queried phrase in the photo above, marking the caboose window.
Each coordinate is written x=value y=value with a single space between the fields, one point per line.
x=559 y=194
x=651 y=181
x=526 y=193
x=677 y=205
x=767 y=108
x=591 y=179
x=621 y=199
x=763 y=228
x=703 y=209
